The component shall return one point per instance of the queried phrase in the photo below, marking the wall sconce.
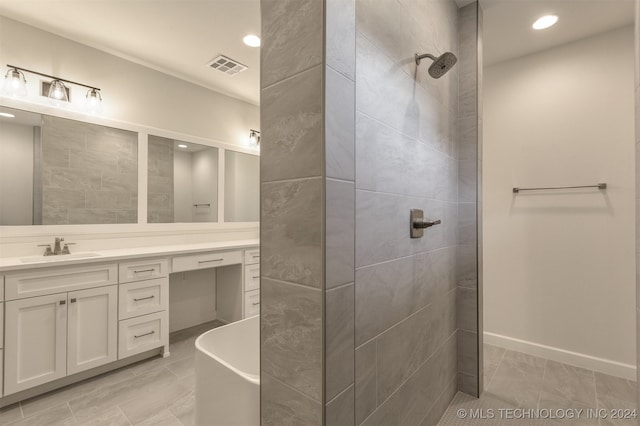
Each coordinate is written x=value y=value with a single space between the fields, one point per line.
x=254 y=137
x=15 y=84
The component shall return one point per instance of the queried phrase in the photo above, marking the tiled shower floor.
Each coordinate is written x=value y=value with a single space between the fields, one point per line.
x=514 y=380
x=158 y=391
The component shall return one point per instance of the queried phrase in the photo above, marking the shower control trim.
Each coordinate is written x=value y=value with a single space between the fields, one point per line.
x=418 y=224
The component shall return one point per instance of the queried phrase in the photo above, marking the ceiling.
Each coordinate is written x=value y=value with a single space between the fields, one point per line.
x=507 y=24
x=176 y=37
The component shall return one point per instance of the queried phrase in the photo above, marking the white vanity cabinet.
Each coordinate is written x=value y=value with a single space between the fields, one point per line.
x=60 y=320
x=36 y=341
x=92 y=319
x=51 y=336
x=251 y=283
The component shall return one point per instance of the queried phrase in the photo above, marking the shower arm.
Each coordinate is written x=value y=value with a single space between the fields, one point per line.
x=426 y=55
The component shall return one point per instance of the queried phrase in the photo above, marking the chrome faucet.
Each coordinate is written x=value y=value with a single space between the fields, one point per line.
x=57 y=249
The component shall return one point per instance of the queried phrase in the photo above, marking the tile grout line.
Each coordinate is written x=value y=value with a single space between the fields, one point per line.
x=544 y=373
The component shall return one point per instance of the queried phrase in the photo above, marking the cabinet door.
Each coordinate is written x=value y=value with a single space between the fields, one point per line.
x=35 y=341
x=93 y=322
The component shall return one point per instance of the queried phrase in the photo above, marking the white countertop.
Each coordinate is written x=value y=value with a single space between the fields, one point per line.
x=16 y=263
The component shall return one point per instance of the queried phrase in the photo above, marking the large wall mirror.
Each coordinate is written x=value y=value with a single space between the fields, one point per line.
x=55 y=171
x=241 y=187
x=183 y=182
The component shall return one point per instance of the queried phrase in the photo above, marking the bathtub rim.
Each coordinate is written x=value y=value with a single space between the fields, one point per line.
x=253 y=378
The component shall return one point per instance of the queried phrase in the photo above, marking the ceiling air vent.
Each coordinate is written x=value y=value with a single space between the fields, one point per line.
x=227 y=65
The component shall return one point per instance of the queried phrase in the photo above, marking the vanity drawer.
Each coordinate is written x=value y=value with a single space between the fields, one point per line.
x=207 y=260
x=144 y=297
x=140 y=334
x=251 y=256
x=143 y=270
x=251 y=277
x=251 y=303
x=40 y=282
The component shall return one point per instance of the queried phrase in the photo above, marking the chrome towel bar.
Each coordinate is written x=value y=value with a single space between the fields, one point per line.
x=599 y=186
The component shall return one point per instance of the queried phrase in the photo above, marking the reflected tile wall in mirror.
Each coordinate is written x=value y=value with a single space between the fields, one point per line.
x=56 y=171
x=182 y=182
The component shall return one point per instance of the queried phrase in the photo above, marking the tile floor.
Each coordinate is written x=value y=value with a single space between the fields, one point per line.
x=515 y=380
x=158 y=391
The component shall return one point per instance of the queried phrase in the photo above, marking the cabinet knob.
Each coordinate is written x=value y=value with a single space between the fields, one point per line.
x=63 y=302
x=73 y=300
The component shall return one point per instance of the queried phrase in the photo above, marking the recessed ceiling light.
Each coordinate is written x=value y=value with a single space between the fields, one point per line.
x=545 y=22
x=251 y=40
x=6 y=114
x=182 y=145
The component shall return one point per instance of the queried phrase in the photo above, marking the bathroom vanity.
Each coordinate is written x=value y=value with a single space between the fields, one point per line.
x=69 y=318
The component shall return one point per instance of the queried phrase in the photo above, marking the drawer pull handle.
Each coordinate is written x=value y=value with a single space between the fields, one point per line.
x=144 y=270
x=73 y=300
x=63 y=302
x=209 y=261
x=255 y=303
x=255 y=255
x=144 y=298
x=256 y=277
x=145 y=334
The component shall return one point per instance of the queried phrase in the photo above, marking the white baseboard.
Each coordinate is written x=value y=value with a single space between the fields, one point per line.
x=606 y=366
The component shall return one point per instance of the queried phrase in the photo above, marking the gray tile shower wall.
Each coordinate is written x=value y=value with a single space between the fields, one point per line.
x=292 y=213
x=359 y=321
x=89 y=173
x=406 y=157
x=469 y=198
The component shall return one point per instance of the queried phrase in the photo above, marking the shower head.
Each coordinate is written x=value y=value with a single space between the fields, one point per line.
x=440 y=65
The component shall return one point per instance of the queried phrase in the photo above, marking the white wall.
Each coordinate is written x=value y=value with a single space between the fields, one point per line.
x=131 y=92
x=182 y=184
x=242 y=187
x=16 y=174
x=559 y=266
x=205 y=185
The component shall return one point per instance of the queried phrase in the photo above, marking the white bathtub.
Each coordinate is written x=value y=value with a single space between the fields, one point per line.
x=228 y=375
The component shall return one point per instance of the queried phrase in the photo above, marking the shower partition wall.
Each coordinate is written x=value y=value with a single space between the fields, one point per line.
x=359 y=322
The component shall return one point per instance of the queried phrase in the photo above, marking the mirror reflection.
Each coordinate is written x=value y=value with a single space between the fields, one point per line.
x=55 y=171
x=182 y=181
x=241 y=187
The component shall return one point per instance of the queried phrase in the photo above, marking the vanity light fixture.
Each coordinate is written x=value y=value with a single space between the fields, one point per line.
x=7 y=115
x=181 y=145
x=15 y=85
x=58 y=91
x=254 y=137
x=94 y=101
x=545 y=22
x=251 y=40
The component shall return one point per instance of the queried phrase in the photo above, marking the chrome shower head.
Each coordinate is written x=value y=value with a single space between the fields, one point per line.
x=440 y=65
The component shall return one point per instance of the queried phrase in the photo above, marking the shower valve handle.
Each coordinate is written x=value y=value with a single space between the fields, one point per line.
x=421 y=224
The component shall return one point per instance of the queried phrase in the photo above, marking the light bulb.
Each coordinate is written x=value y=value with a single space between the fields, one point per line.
x=254 y=138
x=94 y=101
x=15 y=84
x=58 y=92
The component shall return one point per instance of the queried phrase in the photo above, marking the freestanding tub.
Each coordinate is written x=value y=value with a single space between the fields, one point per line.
x=227 y=368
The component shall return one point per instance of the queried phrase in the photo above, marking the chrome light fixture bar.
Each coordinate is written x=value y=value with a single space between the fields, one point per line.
x=15 y=85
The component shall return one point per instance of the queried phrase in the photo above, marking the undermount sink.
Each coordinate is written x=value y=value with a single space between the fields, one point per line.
x=58 y=257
